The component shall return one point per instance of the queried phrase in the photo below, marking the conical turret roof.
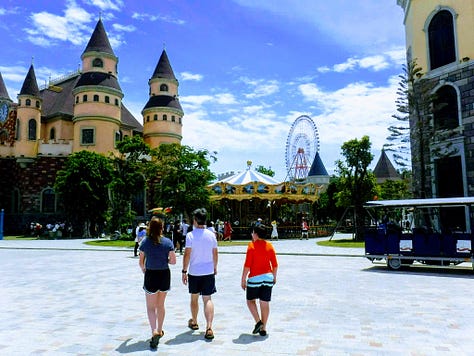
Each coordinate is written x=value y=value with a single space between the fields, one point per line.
x=30 y=86
x=317 y=168
x=384 y=168
x=99 y=42
x=163 y=68
x=3 y=89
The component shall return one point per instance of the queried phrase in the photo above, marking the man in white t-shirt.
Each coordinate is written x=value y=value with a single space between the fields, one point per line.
x=201 y=256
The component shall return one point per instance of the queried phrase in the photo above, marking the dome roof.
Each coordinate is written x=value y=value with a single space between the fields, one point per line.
x=249 y=176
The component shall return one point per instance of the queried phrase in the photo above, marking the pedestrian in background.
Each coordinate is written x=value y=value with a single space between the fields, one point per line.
x=259 y=276
x=156 y=253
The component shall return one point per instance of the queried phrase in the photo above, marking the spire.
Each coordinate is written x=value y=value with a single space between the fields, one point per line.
x=3 y=89
x=30 y=86
x=384 y=169
x=163 y=68
x=99 y=42
x=317 y=168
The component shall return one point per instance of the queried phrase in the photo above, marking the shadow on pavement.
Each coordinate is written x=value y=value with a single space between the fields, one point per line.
x=248 y=339
x=126 y=348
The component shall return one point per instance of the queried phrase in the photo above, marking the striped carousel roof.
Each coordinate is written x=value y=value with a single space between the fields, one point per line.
x=249 y=176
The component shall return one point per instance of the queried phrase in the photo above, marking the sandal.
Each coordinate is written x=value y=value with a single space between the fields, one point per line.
x=155 y=339
x=192 y=325
x=209 y=334
x=257 y=327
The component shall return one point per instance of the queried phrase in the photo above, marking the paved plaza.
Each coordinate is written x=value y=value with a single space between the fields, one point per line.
x=61 y=297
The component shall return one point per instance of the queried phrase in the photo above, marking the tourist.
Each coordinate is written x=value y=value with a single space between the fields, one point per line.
x=199 y=270
x=259 y=276
x=156 y=252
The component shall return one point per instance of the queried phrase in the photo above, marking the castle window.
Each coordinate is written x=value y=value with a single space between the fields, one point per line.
x=441 y=39
x=163 y=87
x=173 y=119
x=84 y=98
x=180 y=121
x=52 y=133
x=77 y=99
x=118 y=137
x=32 y=129
x=165 y=118
x=28 y=102
x=97 y=62
x=19 y=102
x=107 y=99
x=37 y=104
x=17 y=130
x=148 y=118
x=116 y=102
x=445 y=108
x=96 y=97
x=87 y=136
x=155 y=117
x=3 y=136
x=48 y=201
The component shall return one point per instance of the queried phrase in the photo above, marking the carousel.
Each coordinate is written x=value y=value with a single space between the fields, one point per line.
x=249 y=195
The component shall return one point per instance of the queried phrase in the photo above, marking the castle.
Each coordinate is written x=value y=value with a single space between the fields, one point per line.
x=439 y=39
x=81 y=111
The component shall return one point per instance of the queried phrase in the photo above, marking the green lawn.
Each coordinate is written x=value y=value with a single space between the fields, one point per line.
x=19 y=238
x=347 y=243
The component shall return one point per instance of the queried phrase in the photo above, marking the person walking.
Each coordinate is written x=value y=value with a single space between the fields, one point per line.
x=304 y=230
x=156 y=253
x=140 y=233
x=227 y=231
x=199 y=270
x=274 y=234
x=259 y=275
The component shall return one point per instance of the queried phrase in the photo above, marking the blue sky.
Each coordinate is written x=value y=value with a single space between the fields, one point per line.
x=247 y=69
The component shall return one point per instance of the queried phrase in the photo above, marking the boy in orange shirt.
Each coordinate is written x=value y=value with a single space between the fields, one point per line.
x=258 y=277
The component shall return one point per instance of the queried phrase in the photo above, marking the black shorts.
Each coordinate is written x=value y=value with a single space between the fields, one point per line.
x=157 y=280
x=203 y=285
x=264 y=293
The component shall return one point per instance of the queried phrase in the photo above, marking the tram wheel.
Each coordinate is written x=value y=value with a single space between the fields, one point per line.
x=394 y=263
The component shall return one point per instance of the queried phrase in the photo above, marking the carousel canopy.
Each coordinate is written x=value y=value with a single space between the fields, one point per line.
x=250 y=184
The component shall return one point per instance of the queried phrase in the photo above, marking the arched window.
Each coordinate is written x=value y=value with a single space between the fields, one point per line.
x=97 y=62
x=173 y=118
x=84 y=98
x=52 y=133
x=77 y=99
x=107 y=99
x=96 y=97
x=118 y=136
x=28 y=102
x=32 y=129
x=155 y=117
x=441 y=39
x=37 y=104
x=48 y=201
x=445 y=108
x=163 y=87
x=116 y=102
x=165 y=118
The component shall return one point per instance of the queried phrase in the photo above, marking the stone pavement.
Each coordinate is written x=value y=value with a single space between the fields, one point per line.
x=62 y=297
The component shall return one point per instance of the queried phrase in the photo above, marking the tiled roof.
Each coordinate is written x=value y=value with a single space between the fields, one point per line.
x=163 y=101
x=3 y=89
x=317 y=168
x=163 y=68
x=384 y=168
x=30 y=85
x=99 y=42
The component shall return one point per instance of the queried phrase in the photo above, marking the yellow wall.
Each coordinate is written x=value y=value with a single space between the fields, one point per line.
x=109 y=61
x=421 y=11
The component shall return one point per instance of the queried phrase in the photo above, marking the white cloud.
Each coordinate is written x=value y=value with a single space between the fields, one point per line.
x=107 y=4
x=164 y=18
x=191 y=76
x=123 y=28
x=260 y=87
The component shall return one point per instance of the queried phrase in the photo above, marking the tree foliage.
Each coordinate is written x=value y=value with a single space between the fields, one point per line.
x=356 y=183
x=183 y=177
x=129 y=178
x=268 y=171
x=83 y=187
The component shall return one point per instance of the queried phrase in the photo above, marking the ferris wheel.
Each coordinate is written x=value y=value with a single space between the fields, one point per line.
x=302 y=145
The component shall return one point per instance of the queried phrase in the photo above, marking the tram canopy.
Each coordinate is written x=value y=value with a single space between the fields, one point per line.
x=251 y=184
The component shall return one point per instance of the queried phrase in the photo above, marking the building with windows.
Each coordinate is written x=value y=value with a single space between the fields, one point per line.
x=439 y=39
x=81 y=111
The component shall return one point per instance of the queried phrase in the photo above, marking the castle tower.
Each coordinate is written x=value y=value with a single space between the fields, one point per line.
x=97 y=97
x=439 y=38
x=29 y=117
x=162 y=114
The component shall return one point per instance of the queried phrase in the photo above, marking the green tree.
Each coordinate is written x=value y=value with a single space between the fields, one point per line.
x=268 y=171
x=130 y=168
x=83 y=187
x=392 y=189
x=184 y=175
x=356 y=183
